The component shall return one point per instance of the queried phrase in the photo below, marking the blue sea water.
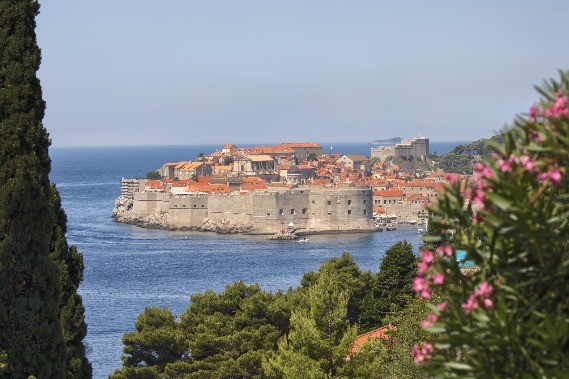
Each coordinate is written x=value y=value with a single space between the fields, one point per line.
x=128 y=269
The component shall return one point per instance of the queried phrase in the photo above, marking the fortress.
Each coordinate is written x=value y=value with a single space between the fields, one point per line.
x=310 y=209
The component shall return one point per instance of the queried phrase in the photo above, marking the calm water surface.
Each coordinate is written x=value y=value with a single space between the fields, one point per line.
x=128 y=269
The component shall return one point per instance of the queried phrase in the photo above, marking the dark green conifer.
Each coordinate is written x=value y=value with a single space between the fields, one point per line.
x=72 y=312
x=31 y=337
x=393 y=285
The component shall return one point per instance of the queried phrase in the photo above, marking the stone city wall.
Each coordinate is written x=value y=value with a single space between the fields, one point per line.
x=262 y=210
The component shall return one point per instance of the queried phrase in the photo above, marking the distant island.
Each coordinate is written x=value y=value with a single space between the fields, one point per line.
x=386 y=142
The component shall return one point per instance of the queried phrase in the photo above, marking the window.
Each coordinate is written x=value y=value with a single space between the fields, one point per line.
x=268 y=213
x=329 y=202
x=292 y=211
x=329 y=213
x=365 y=211
x=349 y=211
x=365 y=201
x=303 y=211
x=349 y=202
x=313 y=202
x=203 y=205
x=281 y=212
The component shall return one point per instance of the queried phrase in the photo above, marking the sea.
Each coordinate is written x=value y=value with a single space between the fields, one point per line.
x=128 y=269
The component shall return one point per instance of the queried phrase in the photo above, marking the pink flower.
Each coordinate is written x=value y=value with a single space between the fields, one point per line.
x=554 y=177
x=422 y=268
x=421 y=354
x=481 y=294
x=444 y=250
x=452 y=178
x=504 y=165
x=425 y=294
x=470 y=304
x=431 y=319
x=527 y=162
x=427 y=256
x=533 y=112
x=441 y=307
x=420 y=284
x=484 y=290
x=438 y=278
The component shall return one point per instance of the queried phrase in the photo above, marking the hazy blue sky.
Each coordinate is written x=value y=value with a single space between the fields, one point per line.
x=139 y=72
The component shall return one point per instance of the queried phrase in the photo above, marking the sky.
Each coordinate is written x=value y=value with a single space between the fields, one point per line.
x=185 y=72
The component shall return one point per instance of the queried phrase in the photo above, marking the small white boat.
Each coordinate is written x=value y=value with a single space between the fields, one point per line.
x=303 y=239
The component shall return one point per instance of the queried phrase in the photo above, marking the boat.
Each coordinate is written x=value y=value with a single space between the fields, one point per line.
x=303 y=239
x=390 y=227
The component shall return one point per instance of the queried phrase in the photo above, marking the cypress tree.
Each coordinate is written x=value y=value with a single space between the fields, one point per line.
x=31 y=337
x=72 y=312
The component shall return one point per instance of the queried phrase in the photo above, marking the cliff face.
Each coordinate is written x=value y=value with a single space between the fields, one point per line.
x=268 y=211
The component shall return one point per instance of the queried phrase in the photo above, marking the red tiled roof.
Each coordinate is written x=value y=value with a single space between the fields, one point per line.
x=301 y=144
x=363 y=338
x=388 y=193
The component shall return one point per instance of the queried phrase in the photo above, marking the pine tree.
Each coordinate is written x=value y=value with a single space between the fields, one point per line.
x=320 y=336
x=31 y=337
x=393 y=285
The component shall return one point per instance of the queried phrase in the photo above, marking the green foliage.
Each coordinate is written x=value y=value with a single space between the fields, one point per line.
x=228 y=334
x=153 y=175
x=394 y=359
x=461 y=159
x=35 y=288
x=72 y=313
x=410 y=164
x=249 y=333
x=319 y=337
x=156 y=342
x=511 y=319
x=392 y=286
x=350 y=279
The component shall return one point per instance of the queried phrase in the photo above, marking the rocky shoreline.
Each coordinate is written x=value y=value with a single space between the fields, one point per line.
x=122 y=213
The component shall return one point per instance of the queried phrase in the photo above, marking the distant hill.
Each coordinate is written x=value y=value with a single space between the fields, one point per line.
x=462 y=158
x=386 y=142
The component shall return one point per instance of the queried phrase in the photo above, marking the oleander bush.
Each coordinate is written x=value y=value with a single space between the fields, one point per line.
x=510 y=317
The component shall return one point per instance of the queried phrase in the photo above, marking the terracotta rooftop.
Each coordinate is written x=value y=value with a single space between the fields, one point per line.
x=363 y=338
x=388 y=193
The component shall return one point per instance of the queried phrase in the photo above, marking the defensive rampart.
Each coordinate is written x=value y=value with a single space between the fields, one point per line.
x=262 y=211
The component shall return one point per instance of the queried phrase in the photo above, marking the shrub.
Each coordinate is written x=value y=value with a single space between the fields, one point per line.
x=509 y=318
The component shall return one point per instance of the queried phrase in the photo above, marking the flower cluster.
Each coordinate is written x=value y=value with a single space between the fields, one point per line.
x=553 y=175
x=423 y=353
x=557 y=109
x=479 y=297
x=422 y=282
